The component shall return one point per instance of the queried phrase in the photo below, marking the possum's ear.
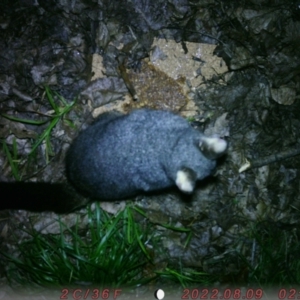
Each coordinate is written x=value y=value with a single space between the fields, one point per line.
x=186 y=180
x=212 y=147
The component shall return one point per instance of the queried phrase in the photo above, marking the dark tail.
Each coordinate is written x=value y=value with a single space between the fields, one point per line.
x=40 y=196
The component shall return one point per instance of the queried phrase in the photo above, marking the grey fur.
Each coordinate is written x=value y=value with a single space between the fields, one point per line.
x=120 y=156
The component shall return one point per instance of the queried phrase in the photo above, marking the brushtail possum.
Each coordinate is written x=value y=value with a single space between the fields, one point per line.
x=120 y=156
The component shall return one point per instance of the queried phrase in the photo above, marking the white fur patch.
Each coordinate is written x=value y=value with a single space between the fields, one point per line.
x=216 y=144
x=183 y=182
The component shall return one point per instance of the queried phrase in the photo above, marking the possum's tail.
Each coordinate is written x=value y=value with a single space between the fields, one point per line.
x=40 y=196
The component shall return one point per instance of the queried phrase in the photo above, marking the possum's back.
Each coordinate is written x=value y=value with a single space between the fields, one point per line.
x=121 y=155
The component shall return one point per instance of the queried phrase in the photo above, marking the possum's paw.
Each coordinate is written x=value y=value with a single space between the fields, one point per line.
x=185 y=180
x=213 y=147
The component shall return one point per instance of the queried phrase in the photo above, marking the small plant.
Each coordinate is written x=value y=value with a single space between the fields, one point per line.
x=59 y=113
x=111 y=253
x=13 y=159
x=278 y=259
x=265 y=255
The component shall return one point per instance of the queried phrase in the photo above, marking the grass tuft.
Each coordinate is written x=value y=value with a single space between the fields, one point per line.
x=60 y=111
x=109 y=253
